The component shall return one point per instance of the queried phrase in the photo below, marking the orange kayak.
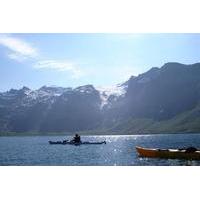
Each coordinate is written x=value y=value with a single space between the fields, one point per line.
x=168 y=153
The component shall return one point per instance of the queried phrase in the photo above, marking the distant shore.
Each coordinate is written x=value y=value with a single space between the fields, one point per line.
x=89 y=133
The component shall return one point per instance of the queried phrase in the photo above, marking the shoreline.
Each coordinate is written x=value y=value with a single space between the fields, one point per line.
x=24 y=134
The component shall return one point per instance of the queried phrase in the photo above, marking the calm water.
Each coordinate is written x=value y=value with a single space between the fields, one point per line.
x=119 y=150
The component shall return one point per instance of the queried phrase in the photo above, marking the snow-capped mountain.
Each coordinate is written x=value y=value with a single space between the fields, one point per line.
x=27 y=109
x=111 y=93
x=157 y=95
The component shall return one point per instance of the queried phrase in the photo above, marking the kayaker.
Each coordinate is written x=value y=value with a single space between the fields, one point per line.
x=77 y=139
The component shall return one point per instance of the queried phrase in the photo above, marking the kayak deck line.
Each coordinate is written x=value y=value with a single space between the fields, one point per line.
x=168 y=153
x=76 y=144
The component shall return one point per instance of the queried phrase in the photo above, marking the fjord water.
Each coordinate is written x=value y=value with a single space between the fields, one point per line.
x=119 y=150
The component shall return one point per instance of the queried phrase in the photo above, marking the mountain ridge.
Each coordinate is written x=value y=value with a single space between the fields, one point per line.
x=162 y=99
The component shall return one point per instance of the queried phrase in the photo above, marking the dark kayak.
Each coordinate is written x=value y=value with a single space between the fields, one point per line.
x=75 y=143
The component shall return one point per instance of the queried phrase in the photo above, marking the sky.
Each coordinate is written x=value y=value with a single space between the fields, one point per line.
x=71 y=60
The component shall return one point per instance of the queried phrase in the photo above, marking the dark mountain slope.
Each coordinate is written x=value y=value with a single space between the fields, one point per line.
x=163 y=93
x=163 y=99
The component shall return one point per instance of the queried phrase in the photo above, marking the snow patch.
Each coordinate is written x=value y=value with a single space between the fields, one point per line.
x=106 y=92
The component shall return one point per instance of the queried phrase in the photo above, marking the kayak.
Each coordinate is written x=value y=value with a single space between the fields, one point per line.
x=75 y=143
x=168 y=153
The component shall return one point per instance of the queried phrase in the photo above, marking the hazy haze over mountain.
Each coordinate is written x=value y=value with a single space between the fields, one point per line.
x=165 y=99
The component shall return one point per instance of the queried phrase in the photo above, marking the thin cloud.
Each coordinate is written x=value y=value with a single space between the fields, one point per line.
x=22 y=51
x=60 y=66
x=17 y=57
x=19 y=49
